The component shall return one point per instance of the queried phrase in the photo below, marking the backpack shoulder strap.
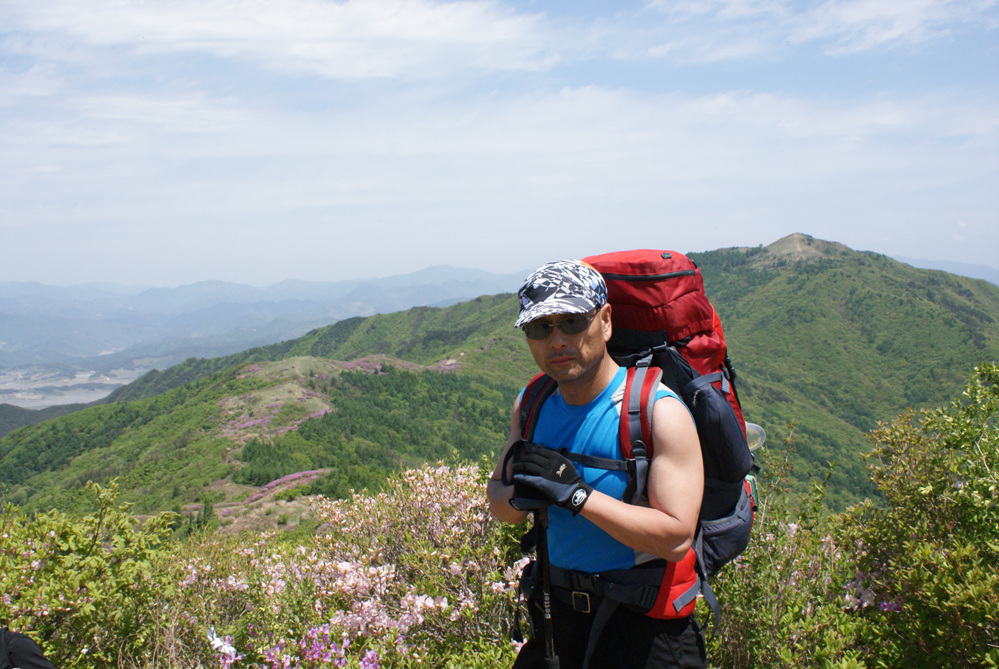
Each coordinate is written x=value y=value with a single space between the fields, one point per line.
x=635 y=429
x=640 y=387
x=537 y=391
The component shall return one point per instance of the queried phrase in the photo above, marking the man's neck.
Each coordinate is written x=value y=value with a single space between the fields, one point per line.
x=584 y=389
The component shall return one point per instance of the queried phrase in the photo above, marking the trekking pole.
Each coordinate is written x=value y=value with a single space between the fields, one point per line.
x=541 y=523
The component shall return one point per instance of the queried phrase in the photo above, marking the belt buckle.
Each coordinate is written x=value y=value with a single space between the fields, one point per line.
x=581 y=601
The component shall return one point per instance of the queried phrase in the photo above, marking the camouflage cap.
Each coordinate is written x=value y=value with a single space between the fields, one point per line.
x=561 y=287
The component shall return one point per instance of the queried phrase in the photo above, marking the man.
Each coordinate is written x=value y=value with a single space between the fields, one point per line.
x=20 y=652
x=567 y=322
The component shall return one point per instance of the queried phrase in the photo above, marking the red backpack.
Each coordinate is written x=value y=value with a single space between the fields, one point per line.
x=662 y=319
x=658 y=301
x=665 y=330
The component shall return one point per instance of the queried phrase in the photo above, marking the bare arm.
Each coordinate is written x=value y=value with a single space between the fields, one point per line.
x=499 y=495
x=675 y=485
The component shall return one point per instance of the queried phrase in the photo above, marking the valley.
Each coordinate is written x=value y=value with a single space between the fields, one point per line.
x=38 y=387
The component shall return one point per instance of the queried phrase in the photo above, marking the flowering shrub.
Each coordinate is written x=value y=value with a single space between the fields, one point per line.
x=432 y=530
x=411 y=576
x=415 y=577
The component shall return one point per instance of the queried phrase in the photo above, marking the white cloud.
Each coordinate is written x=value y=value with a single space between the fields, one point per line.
x=423 y=39
x=355 y=39
x=587 y=144
x=726 y=30
x=860 y=25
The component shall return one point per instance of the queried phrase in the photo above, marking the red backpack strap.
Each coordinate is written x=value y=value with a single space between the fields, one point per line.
x=537 y=391
x=635 y=430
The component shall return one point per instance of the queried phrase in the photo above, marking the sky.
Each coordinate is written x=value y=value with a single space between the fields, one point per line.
x=165 y=142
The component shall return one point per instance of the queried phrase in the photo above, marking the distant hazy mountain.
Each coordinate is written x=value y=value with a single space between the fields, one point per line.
x=973 y=271
x=104 y=327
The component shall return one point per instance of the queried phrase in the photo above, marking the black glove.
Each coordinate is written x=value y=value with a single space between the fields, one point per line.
x=553 y=475
x=524 y=497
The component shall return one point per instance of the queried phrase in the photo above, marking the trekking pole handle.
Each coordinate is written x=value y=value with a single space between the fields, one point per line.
x=541 y=521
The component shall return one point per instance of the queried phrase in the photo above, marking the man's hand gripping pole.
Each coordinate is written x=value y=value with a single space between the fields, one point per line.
x=527 y=498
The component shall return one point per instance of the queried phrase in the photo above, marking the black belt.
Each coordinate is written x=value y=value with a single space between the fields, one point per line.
x=636 y=588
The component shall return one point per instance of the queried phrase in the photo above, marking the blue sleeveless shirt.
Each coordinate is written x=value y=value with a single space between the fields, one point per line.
x=574 y=542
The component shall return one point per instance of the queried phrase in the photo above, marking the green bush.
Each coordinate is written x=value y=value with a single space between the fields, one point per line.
x=909 y=581
x=86 y=588
x=782 y=600
x=927 y=558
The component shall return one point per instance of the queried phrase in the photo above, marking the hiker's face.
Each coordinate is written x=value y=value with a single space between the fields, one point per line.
x=571 y=357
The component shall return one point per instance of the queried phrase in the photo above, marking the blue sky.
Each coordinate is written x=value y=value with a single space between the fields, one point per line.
x=166 y=142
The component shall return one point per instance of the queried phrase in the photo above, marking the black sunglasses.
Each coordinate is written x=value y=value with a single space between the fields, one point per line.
x=570 y=325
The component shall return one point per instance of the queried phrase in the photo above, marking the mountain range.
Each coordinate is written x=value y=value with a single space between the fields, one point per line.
x=827 y=342
x=64 y=344
x=100 y=326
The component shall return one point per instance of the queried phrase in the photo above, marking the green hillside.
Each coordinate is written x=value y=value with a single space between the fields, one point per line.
x=477 y=336
x=13 y=417
x=829 y=338
x=837 y=340
x=217 y=440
